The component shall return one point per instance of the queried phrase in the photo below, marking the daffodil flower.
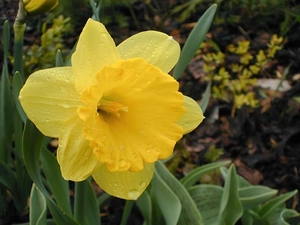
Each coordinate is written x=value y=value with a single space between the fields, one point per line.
x=116 y=111
x=35 y=7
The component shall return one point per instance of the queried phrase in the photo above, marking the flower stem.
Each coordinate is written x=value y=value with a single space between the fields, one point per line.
x=19 y=29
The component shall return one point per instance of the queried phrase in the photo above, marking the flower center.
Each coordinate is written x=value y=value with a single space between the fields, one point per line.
x=111 y=107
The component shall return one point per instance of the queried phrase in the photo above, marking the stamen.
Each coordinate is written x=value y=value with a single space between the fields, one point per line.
x=111 y=107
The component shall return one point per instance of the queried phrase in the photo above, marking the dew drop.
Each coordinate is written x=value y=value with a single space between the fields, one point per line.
x=142 y=184
x=133 y=194
x=66 y=105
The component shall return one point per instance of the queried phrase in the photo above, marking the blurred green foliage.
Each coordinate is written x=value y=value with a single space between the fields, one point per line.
x=268 y=14
x=41 y=54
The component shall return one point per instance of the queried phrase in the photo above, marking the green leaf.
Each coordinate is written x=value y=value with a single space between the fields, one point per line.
x=190 y=214
x=59 y=59
x=194 y=40
x=95 y=10
x=32 y=142
x=253 y=196
x=8 y=179
x=58 y=185
x=205 y=99
x=208 y=200
x=126 y=212
x=168 y=202
x=284 y=217
x=247 y=218
x=194 y=176
x=86 y=209
x=231 y=208
x=17 y=85
x=103 y=198
x=242 y=181
x=6 y=40
x=274 y=203
x=24 y=183
x=6 y=106
x=289 y=216
x=145 y=206
x=38 y=207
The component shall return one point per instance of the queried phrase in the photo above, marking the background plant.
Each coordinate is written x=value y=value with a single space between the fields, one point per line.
x=234 y=73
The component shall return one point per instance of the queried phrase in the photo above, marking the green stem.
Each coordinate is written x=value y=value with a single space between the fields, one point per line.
x=19 y=30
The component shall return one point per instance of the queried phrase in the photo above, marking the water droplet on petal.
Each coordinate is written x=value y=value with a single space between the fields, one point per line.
x=142 y=184
x=66 y=105
x=133 y=194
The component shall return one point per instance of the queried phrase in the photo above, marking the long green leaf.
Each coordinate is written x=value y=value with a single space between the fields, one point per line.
x=231 y=208
x=253 y=196
x=126 y=212
x=145 y=206
x=38 y=207
x=32 y=142
x=6 y=116
x=86 y=209
x=274 y=203
x=194 y=176
x=17 y=85
x=284 y=217
x=58 y=186
x=205 y=99
x=247 y=218
x=242 y=181
x=59 y=59
x=208 y=200
x=194 y=40
x=168 y=202
x=189 y=213
x=6 y=40
x=8 y=179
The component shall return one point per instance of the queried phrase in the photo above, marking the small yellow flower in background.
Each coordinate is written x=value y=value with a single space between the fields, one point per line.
x=242 y=47
x=245 y=58
x=35 y=7
x=261 y=58
x=116 y=111
x=254 y=69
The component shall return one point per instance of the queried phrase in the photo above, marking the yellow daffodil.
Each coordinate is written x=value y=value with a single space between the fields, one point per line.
x=35 y=7
x=116 y=111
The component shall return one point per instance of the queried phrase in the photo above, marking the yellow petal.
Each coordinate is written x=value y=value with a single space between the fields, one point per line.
x=143 y=128
x=193 y=117
x=49 y=98
x=74 y=154
x=35 y=7
x=95 y=48
x=126 y=185
x=155 y=47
